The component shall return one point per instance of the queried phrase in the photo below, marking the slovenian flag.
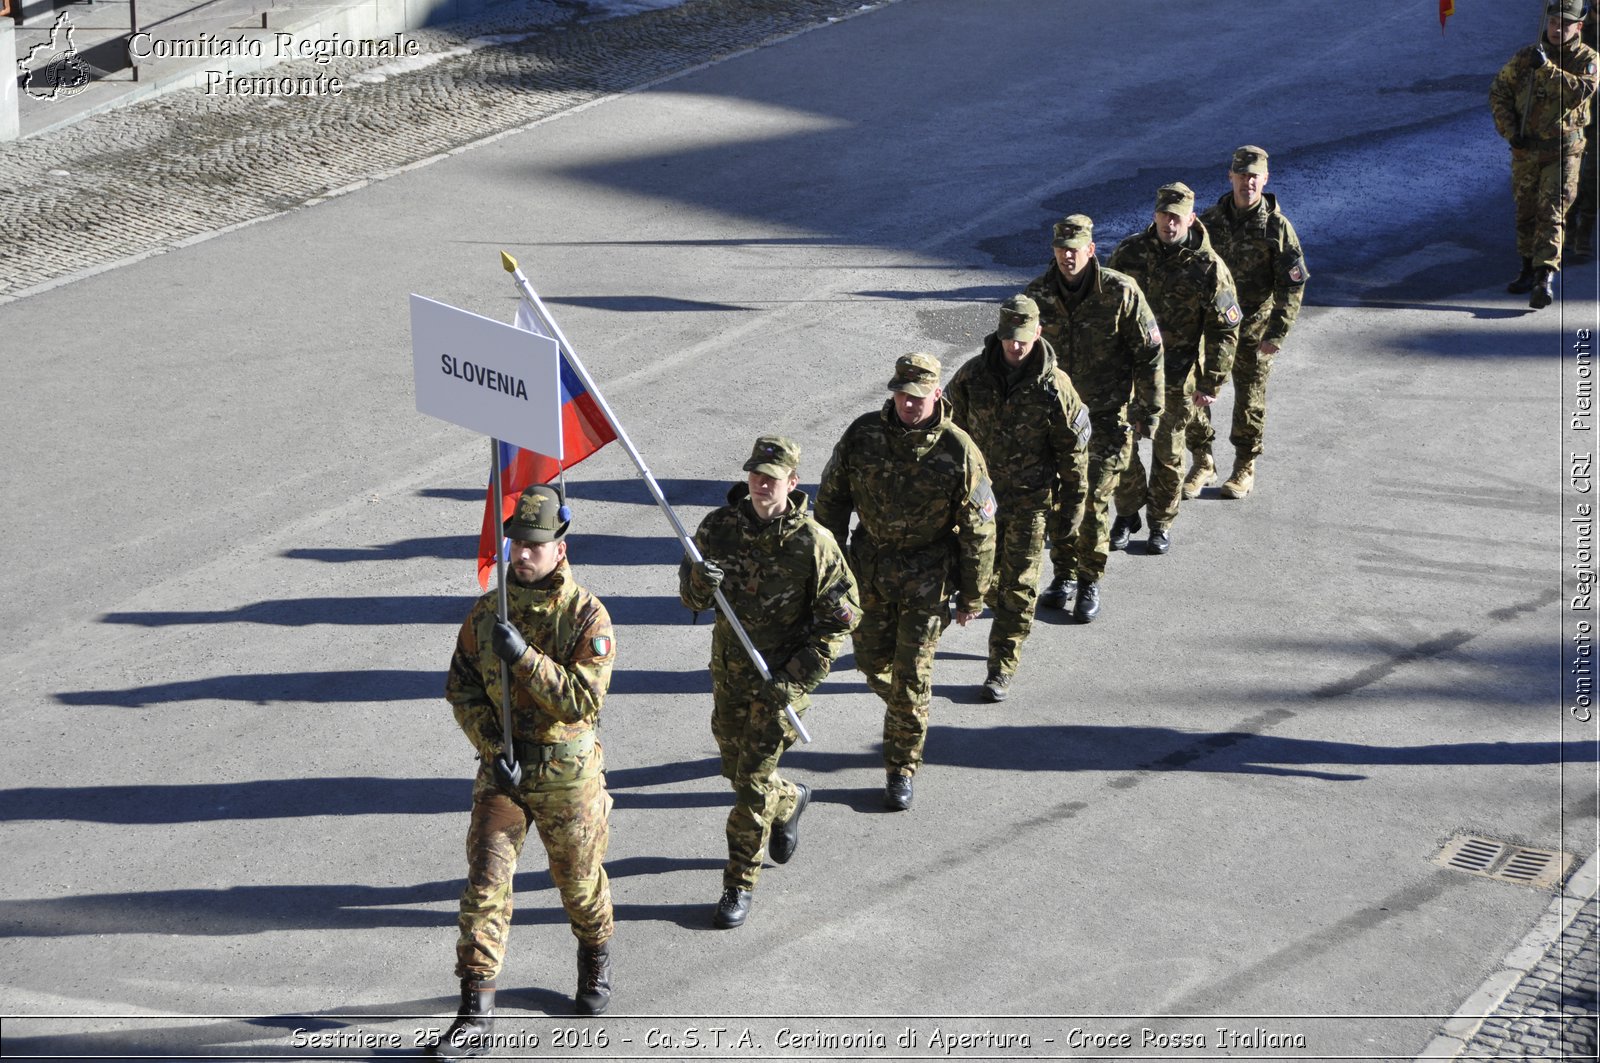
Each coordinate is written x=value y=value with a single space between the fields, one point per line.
x=584 y=430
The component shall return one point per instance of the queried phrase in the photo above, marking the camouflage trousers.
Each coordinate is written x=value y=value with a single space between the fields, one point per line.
x=1084 y=554
x=1544 y=185
x=1250 y=371
x=567 y=801
x=1587 y=201
x=1018 y=558
x=894 y=645
x=1159 y=495
x=751 y=735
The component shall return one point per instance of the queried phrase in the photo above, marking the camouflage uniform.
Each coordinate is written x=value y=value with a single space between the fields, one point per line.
x=1107 y=341
x=1579 y=243
x=787 y=581
x=1033 y=432
x=1541 y=109
x=556 y=697
x=1190 y=290
x=1269 y=274
x=926 y=531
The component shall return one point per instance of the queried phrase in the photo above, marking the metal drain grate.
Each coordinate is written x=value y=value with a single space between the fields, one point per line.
x=1540 y=869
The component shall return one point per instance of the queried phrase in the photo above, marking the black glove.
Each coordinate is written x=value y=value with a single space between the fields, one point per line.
x=509 y=645
x=707 y=574
x=507 y=774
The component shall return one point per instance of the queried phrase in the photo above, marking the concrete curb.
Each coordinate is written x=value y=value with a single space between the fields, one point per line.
x=1547 y=930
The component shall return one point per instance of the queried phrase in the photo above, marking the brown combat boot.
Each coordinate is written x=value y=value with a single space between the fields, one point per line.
x=1242 y=479
x=471 y=1034
x=594 y=979
x=1202 y=473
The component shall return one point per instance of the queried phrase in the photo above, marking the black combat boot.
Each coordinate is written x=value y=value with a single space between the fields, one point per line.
x=1524 y=282
x=732 y=910
x=1088 y=606
x=594 y=979
x=1542 y=295
x=470 y=1034
x=1122 y=530
x=1062 y=590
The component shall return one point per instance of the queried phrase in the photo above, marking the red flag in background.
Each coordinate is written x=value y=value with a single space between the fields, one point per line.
x=1446 y=9
x=584 y=430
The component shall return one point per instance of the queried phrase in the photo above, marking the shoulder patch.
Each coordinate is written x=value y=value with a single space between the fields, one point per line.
x=983 y=499
x=1152 y=335
x=1228 y=304
x=601 y=645
x=1296 y=268
x=1081 y=424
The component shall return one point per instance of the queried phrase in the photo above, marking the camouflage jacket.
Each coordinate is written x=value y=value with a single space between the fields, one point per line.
x=1105 y=338
x=1263 y=253
x=926 y=509
x=1031 y=431
x=559 y=684
x=785 y=579
x=1190 y=290
x=1548 y=103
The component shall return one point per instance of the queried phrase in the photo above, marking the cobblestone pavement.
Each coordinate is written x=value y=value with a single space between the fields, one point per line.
x=1550 y=1012
x=153 y=176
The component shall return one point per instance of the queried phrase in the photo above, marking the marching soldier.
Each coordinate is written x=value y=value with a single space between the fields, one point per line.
x=559 y=650
x=1022 y=411
x=926 y=532
x=1108 y=343
x=1263 y=252
x=1191 y=293
x=786 y=579
x=1579 y=243
x=1541 y=101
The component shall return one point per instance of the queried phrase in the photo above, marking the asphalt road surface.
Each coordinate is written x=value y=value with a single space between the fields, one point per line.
x=236 y=559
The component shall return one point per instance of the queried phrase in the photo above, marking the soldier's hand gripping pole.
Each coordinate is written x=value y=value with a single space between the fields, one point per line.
x=571 y=356
x=507 y=769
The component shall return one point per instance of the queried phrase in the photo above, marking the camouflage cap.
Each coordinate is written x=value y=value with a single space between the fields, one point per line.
x=541 y=516
x=1176 y=198
x=916 y=374
x=1075 y=230
x=1250 y=159
x=774 y=456
x=1569 y=10
x=1019 y=319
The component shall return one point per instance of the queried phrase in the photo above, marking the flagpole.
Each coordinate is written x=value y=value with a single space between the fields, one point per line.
x=689 y=548
x=500 y=582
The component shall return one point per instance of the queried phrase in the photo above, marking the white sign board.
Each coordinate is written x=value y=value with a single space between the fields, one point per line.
x=487 y=376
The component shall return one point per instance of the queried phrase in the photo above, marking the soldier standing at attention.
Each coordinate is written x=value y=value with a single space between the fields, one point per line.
x=925 y=533
x=786 y=579
x=558 y=647
x=1107 y=341
x=1191 y=293
x=1260 y=247
x=1022 y=411
x=1540 y=101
